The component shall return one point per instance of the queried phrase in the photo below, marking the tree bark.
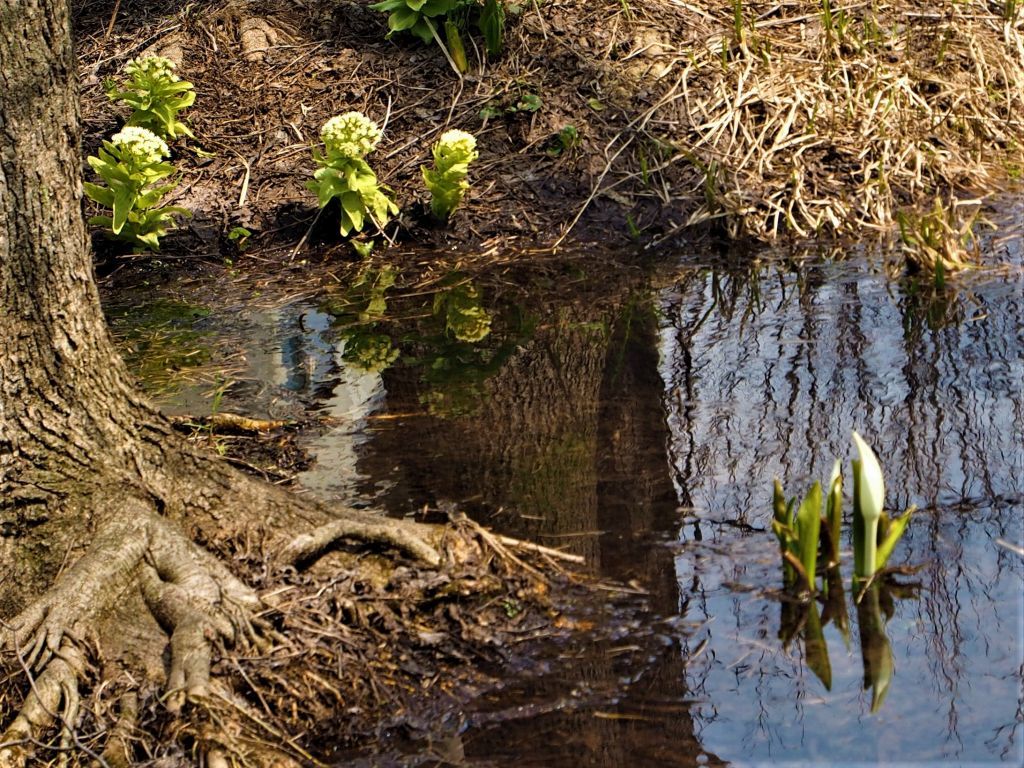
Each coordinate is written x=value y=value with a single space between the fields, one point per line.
x=91 y=474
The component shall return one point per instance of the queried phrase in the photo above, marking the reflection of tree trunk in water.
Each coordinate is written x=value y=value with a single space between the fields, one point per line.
x=570 y=439
x=530 y=447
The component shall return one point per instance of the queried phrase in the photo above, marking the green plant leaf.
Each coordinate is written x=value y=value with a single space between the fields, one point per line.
x=122 y=207
x=529 y=102
x=834 y=512
x=808 y=527
x=455 y=47
x=892 y=536
x=492 y=25
x=352 y=203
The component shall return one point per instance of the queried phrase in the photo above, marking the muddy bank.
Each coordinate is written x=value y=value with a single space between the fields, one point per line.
x=751 y=121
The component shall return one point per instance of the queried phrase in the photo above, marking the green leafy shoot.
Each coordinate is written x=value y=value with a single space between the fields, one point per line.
x=415 y=16
x=528 y=102
x=456 y=49
x=798 y=534
x=155 y=94
x=833 y=520
x=130 y=165
x=890 y=532
x=446 y=181
x=566 y=140
x=492 y=25
x=240 y=237
x=344 y=175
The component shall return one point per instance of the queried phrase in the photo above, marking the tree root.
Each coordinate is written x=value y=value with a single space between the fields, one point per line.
x=55 y=686
x=190 y=593
x=371 y=529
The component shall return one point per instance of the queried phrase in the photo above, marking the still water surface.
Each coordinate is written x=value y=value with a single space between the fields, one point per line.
x=643 y=430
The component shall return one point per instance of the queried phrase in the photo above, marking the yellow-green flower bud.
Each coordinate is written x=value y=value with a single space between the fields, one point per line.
x=152 y=67
x=352 y=134
x=140 y=144
x=456 y=144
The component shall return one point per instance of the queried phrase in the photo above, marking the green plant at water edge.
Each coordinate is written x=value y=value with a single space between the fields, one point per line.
x=815 y=525
x=131 y=164
x=345 y=175
x=798 y=534
x=874 y=534
x=939 y=239
x=446 y=181
x=155 y=94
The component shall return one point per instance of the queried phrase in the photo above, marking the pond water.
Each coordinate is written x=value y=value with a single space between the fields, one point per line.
x=642 y=429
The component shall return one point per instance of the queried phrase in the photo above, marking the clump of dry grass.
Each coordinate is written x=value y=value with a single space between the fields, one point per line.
x=820 y=118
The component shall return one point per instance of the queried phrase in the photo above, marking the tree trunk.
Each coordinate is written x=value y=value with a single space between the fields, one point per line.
x=90 y=473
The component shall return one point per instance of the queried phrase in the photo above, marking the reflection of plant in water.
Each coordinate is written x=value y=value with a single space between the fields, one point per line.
x=875 y=649
x=358 y=314
x=444 y=347
x=454 y=361
x=368 y=352
x=464 y=315
x=874 y=608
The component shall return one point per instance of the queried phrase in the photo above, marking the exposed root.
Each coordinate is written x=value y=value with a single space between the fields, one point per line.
x=119 y=749
x=53 y=696
x=82 y=592
x=201 y=605
x=370 y=529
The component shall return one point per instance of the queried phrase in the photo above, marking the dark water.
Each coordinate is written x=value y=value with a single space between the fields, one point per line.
x=642 y=429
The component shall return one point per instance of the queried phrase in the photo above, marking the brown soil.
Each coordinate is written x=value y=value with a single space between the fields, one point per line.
x=268 y=76
x=765 y=128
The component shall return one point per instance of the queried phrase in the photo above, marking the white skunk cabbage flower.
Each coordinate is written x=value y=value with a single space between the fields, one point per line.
x=870 y=491
x=352 y=134
x=140 y=144
x=870 y=483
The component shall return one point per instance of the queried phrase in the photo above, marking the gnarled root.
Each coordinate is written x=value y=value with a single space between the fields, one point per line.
x=53 y=695
x=192 y=595
x=403 y=536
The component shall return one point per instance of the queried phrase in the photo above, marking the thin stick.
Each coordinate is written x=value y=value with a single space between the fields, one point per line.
x=113 y=18
x=531 y=547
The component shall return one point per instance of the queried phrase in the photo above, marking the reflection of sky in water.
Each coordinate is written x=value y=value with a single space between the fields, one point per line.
x=311 y=356
x=770 y=382
x=293 y=362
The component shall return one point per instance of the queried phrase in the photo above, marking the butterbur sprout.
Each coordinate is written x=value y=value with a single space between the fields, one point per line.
x=140 y=145
x=352 y=134
x=344 y=175
x=446 y=181
x=152 y=67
